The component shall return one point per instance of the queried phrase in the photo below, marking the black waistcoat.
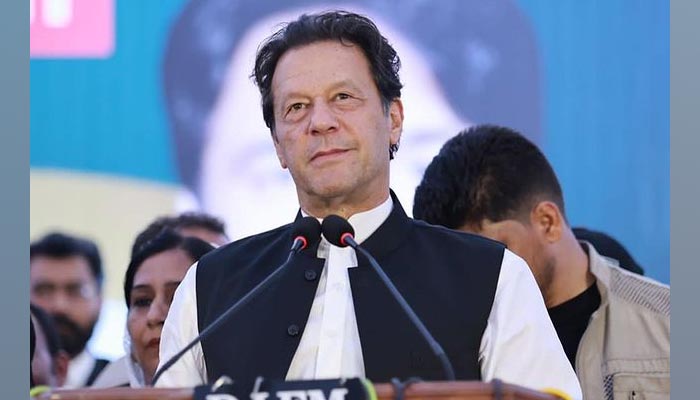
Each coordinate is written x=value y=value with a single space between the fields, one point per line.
x=448 y=277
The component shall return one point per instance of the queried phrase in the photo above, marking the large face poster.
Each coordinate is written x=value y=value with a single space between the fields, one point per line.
x=140 y=109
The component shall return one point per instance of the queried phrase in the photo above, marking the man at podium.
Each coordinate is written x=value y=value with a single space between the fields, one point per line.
x=331 y=96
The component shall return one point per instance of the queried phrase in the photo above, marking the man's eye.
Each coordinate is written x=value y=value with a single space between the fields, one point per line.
x=44 y=290
x=296 y=107
x=342 y=96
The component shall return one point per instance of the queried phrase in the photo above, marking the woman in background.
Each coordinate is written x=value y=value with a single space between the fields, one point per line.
x=155 y=271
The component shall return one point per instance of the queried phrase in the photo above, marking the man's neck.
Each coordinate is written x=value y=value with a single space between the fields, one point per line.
x=343 y=206
x=572 y=275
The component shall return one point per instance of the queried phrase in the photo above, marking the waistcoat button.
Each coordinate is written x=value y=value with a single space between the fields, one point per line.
x=293 y=330
x=310 y=274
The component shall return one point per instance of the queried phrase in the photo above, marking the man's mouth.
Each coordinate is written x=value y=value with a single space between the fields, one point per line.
x=328 y=154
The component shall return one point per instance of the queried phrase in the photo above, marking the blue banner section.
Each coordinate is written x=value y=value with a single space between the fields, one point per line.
x=106 y=115
x=607 y=119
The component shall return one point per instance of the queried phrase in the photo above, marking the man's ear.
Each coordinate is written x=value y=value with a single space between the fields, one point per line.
x=60 y=363
x=278 y=149
x=548 y=220
x=396 y=120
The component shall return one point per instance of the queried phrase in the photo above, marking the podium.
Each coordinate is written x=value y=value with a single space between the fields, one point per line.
x=459 y=390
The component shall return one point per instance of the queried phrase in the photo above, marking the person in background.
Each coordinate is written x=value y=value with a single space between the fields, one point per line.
x=615 y=325
x=49 y=362
x=195 y=224
x=151 y=278
x=65 y=279
x=32 y=348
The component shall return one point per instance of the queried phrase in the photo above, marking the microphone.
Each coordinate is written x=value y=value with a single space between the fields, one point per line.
x=304 y=231
x=339 y=232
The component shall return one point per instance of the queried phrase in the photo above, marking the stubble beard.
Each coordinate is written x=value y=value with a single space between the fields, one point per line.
x=73 y=337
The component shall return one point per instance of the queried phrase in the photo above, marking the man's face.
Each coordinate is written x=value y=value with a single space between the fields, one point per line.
x=331 y=130
x=241 y=179
x=522 y=239
x=66 y=289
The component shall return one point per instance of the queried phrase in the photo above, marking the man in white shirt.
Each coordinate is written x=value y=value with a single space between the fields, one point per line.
x=331 y=98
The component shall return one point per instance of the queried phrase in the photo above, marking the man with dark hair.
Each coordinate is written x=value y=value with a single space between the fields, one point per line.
x=195 y=224
x=488 y=70
x=331 y=98
x=49 y=362
x=65 y=279
x=614 y=325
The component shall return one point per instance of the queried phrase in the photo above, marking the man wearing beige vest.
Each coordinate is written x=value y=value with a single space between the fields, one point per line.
x=614 y=325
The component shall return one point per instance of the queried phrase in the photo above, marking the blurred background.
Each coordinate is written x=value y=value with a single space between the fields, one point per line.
x=144 y=108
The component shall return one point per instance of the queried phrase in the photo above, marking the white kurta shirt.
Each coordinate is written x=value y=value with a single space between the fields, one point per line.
x=330 y=345
x=79 y=369
x=519 y=344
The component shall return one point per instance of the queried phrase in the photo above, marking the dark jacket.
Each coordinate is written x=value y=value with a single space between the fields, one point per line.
x=448 y=277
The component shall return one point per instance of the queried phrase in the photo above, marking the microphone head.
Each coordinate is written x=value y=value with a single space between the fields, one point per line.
x=335 y=229
x=308 y=230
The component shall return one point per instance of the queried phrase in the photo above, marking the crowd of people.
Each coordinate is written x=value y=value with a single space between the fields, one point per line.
x=66 y=294
x=522 y=296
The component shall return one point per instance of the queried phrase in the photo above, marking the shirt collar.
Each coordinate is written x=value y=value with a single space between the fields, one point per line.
x=79 y=368
x=364 y=223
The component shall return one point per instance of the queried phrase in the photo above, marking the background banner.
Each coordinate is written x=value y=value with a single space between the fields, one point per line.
x=142 y=108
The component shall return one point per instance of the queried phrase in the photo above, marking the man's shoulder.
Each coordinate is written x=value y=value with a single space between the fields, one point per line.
x=255 y=241
x=637 y=307
x=638 y=292
x=114 y=374
x=449 y=236
x=247 y=247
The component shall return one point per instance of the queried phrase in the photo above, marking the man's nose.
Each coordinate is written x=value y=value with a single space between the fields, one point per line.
x=323 y=119
x=60 y=303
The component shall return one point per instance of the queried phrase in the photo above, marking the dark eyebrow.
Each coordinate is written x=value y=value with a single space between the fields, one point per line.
x=341 y=83
x=345 y=82
x=141 y=287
